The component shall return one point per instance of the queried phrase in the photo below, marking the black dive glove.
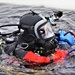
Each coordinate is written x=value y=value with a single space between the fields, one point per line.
x=45 y=47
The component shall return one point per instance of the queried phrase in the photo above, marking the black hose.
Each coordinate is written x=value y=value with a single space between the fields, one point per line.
x=4 y=34
x=69 y=53
x=9 y=25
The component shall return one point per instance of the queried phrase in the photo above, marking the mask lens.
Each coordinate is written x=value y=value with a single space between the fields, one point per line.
x=46 y=31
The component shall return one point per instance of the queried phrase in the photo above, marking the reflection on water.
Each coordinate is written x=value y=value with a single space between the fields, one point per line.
x=11 y=14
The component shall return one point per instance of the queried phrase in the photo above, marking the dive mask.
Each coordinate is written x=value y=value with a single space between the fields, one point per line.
x=43 y=30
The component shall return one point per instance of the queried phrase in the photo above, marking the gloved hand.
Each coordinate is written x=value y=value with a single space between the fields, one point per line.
x=48 y=46
x=66 y=39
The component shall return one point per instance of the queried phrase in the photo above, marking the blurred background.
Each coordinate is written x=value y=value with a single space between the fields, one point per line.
x=62 y=4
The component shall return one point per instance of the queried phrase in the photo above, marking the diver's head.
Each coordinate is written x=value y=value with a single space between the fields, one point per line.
x=36 y=25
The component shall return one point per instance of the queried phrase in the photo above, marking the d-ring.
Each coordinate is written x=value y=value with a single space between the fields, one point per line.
x=24 y=45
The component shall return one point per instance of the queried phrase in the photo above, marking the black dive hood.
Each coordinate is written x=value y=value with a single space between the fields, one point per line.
x=29 y=20
x=32 y=22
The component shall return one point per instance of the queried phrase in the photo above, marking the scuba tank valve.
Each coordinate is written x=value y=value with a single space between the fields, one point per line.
x=10 y=40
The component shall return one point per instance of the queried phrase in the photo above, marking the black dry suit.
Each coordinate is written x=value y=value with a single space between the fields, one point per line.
x=31 y=39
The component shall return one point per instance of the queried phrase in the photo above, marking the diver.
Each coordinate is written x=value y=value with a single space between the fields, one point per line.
x=36 y=40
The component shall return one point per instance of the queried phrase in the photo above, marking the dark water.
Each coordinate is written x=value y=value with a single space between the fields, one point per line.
x=11 y=14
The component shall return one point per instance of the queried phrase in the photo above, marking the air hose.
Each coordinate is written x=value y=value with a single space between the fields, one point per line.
x=4 y=34
x=69 y=53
